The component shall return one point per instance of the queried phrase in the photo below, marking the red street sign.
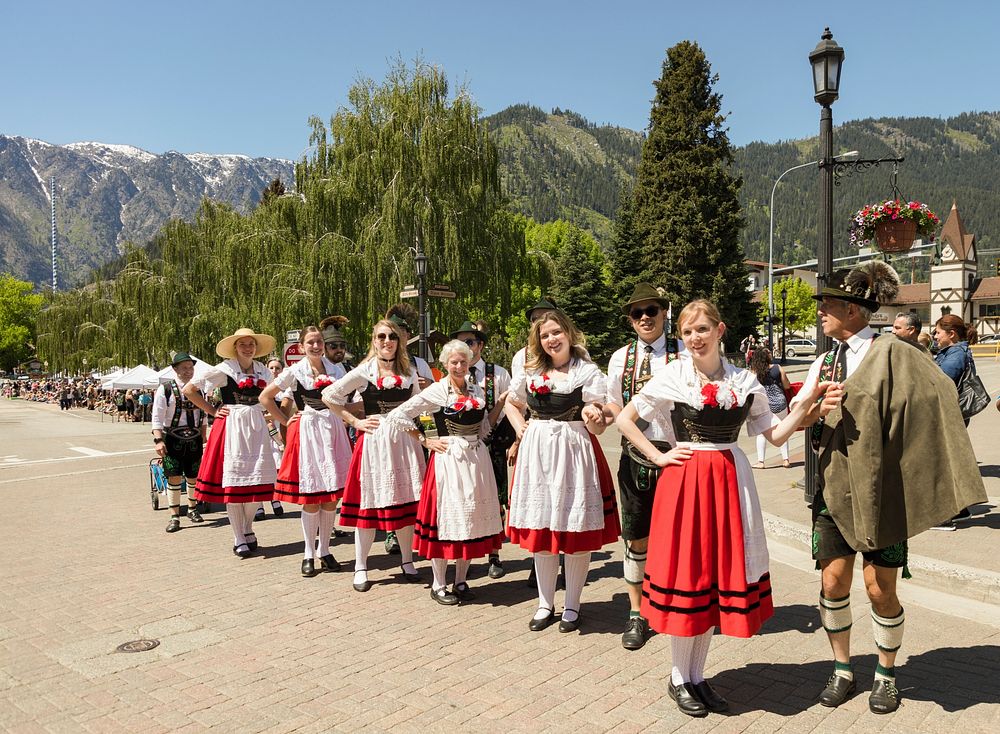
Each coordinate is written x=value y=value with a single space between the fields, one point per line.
x=293 y=353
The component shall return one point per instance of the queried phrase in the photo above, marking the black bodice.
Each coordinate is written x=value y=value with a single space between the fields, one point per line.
x=234 y=395
x=312 y=398
x=556 y=406
x=380 y=402
x=461 y=423
x=709 y=425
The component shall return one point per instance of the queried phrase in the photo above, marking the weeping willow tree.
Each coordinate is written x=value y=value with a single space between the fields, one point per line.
x=402 y=163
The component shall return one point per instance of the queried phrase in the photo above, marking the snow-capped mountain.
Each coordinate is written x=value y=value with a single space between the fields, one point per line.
x=107 y=195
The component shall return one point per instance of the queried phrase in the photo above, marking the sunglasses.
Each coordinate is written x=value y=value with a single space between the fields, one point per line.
x=637 y=313
x=336 y=345
x=471 y=342
x=391 y=337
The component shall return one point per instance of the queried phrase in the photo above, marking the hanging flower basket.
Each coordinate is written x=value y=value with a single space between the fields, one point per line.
x=895 y=236
x=893 y=225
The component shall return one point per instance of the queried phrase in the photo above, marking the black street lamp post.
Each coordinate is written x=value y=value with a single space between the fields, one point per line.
x=784 y=301
x=827 y=61
x=420 y=259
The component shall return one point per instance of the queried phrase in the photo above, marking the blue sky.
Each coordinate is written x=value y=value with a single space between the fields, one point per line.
x=222 y=76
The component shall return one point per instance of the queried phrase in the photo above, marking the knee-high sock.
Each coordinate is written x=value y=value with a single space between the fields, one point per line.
x=461 y=570
x=310 y=526
x=234 y=511
x=192 y=502
x=700 y=655
x=249 y=508
x=761 y=447
x=546 y=571
x=326 y=520
x=439 y=567
x=173 y=495
x=577 y=566
x=681 y=652
x=363 y=539
x=405 y=538
x=634 y=565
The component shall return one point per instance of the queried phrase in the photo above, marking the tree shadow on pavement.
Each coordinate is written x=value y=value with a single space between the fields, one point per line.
x=792 y=618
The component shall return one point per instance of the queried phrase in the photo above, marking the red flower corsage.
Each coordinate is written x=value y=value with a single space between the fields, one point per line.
x=540 y=385
x=387 y=383
x=322 y=381
x=718 y=395
x=245 y=384
x=261 y=384
x=467 y=402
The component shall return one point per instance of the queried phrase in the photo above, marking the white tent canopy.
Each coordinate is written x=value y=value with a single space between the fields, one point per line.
x=135 y=379
x=167 y=373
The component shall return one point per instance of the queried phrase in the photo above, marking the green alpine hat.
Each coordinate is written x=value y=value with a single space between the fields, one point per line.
x=468 y=327
x=545 y=305
x=870 y=285
x=645 y=292
x=401 y=322
x=181 y=357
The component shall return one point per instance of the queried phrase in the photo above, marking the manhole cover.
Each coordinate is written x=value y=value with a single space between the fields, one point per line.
x=138 y=646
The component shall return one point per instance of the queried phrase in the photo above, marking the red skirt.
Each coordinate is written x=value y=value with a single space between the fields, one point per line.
x=209 y=486
x=695 y=574
x=379 y=518
x=561 y=541
x=286 y=488
x=425 y=537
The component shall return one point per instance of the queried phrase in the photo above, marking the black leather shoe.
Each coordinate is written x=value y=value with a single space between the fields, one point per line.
x=308 y=568
x=174 y=524
x=686 y=699
x=278 y=509
x=443 y=596
x=340 y=533
x=244 y=553
x=363 y=586
x=410 y=577
x=329 y=563
x=635 y=633
x=259 y=515
x=463 y=592
x=496 y=568
x=838 y=689
x=567 y=626
x=537 y=625
x=194 y=515
x=884 y=698
x=251 y=541
x=710 y=697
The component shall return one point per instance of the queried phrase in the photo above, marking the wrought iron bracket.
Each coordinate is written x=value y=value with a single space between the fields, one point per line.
x=848 y=168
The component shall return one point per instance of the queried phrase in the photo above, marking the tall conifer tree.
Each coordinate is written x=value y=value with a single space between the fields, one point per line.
x=581 y=292
x=686 y=214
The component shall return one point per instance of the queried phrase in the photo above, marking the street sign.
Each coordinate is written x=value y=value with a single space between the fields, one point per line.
x=441 y=292
x=880 y=319
x=293 y=353
x=292 y=336
x=409 y=293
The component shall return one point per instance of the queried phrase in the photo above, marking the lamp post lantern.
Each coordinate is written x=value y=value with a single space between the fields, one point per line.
x=827 y=61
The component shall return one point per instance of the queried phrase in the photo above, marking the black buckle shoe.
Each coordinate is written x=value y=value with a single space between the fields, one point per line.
x=463 y=592
x=244 y=553
x=363 y=586
x=566 y=625
x=710 y=697
x=277 y=508
x=259 y=515
x=308 y=568
x=329 y=563
x=635 y=633
x=194 y=515
x=686 y=699
x=251 y=541
x=540 y=623
x=407 y=576
x=443 y=596
x=838 y=689
x=884 y=698
x=496 y=568
x=174 y=524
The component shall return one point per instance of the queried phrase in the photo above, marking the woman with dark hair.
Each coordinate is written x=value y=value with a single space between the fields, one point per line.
x=387 y=468
x=562 y=495
x=772 y=376
x=317 y=452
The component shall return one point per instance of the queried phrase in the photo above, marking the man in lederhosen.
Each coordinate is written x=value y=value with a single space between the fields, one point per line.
x=178 y=436
x=495 y=381
x=629 y=369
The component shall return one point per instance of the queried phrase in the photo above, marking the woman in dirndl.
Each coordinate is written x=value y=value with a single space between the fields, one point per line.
x=387 y=468
x=562 y=495
x=237 y=468
x=317 y=451
x=708 y=562
x=458 y=517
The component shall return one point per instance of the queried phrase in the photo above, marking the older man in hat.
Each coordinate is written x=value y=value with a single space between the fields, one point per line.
x=894 y=459
x=494 y=380
x=629 y=369
x=178 y=438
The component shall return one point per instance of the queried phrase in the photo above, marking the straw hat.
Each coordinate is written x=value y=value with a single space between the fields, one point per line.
x=227 y=347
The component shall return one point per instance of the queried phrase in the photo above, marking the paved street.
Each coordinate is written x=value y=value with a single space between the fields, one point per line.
x=251 y=646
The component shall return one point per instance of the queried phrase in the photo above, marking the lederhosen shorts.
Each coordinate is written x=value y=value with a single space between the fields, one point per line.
x=636 y=491
x=183 y=456
x=828 y=542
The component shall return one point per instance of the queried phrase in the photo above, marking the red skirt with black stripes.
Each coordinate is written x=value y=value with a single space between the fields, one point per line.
x=209 y=487
x=352 y=515
x=695 y=575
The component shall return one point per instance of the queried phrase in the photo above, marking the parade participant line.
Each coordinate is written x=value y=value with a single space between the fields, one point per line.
x=72 y=458
x=71 y=474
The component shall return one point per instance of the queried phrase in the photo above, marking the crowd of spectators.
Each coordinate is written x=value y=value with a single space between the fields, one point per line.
x=69 y=394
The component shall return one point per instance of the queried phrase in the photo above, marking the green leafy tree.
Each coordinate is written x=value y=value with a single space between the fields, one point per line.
x=19 y=307
x=800 y=307
x=687 y=217
x=581 y=292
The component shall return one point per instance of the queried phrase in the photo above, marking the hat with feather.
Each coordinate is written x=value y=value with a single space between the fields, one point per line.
x=331 y=326
x=871 y=284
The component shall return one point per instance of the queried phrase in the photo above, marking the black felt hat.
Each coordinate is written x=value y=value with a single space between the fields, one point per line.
x=468 y=327
x=871 y=284
x=543 y=304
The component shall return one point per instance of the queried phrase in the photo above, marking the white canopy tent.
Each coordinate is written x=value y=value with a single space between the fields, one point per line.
x=167 y=373
x=135 y=379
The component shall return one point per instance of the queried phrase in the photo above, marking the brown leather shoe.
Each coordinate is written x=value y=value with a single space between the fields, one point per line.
x=838 y=689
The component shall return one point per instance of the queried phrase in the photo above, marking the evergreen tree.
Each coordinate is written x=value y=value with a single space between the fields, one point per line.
x=274 y=190
x=687 y=215
x=627 y=268
x=581 y=292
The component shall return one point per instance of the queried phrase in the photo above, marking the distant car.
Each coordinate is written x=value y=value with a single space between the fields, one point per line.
x=796 y=347
x=990 y=339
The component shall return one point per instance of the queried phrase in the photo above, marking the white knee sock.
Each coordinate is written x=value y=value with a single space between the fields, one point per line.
x=681 y=652
x=192 y=502
x=405 y=538
x=234 y=511
x=761 y=447
x=439 y=567
x=461 y=570
x=699 y=655
x=326 y=520
x=173 y=495
x=363 y=539
x=310 y=525
x=577 y=566
x=546 y=571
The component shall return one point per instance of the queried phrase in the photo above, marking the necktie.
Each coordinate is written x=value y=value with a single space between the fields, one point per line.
x=472 y=371
x=645 y=369
x=840 y=370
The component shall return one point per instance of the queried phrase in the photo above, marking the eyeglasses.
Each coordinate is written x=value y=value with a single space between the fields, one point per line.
x=471 y=342
x=336 y=345
x=637 y=313
x=391 y=337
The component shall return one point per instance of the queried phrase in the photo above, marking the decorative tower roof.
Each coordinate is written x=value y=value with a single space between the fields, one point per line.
x=953 y=234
